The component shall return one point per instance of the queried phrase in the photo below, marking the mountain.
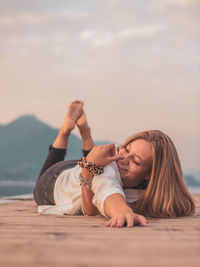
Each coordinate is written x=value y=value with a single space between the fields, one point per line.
x=24 y=145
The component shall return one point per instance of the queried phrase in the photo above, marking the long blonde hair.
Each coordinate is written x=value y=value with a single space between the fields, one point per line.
x=166 y=194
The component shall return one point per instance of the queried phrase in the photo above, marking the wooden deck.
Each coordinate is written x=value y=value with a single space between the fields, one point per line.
x=28 y=239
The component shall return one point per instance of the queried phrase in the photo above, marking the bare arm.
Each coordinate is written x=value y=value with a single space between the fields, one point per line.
x=101 y=156
x=115 y=206
x=87 y=196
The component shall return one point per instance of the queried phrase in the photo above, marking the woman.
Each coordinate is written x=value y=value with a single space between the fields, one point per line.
x=144 y=177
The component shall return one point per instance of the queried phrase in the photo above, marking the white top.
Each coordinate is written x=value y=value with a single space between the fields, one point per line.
x=67 y=191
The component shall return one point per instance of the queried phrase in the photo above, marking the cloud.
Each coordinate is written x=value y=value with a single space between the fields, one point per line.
x=139 y=60
x=107 y=38
x=142 y=31
x=182 y=3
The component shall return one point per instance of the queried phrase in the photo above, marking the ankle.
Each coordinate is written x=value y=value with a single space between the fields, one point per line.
x=65 y=132
x=85 y=131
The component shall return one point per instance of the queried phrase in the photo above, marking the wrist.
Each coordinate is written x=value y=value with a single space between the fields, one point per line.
x=90 y=158
x=116 y=205
x=92 y=167
x=125 y=209
x=86 y=174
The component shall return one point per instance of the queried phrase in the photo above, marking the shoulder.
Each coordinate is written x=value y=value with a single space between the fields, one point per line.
x=110 y=175
x=133 y=195
x=111 y=170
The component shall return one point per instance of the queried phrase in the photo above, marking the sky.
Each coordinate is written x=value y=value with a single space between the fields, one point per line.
x=135 y=64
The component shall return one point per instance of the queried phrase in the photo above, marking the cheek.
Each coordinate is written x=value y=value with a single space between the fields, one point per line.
x=135 y=171
x=132 y=170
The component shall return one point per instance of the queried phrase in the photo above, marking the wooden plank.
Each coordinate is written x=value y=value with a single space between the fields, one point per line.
x=30 y=239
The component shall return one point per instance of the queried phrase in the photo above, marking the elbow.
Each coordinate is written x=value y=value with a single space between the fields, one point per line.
x=90 y=212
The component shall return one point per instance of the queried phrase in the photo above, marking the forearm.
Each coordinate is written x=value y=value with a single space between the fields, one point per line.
x=120 y=213
x=115 y=204
x=87 y=196
x=100 y=156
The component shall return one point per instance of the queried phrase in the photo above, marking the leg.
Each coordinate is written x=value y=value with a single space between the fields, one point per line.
x=73 y=113
x=85 y=132
x=44 y=189
x=55 y=159
x=58 y=150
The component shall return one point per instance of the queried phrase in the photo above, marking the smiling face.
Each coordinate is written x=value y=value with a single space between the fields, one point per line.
x=135 y=166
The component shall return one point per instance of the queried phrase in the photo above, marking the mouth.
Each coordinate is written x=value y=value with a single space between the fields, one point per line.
x=121 y=167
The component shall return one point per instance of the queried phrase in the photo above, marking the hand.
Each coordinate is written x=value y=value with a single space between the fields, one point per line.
x=127 y=216
x=102 y=155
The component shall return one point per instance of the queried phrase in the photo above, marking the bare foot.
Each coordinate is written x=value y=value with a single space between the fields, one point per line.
x=87 y=140
x=74 y=111
x=82 y=123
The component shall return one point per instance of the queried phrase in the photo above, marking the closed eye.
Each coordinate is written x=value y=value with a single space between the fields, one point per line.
x=137 y=163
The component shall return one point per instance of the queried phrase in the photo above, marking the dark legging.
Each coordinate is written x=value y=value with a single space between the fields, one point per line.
x=53 y=166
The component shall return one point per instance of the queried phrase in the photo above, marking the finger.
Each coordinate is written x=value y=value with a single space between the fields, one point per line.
x=139 y=219
x=130 y=221
x=110 y=147
x=108 y=223
x=109 y=150
x=113 y=222
x=121 y=221
x=119 y=157
x=115 y=158
x=113 y=151
x=77 y=101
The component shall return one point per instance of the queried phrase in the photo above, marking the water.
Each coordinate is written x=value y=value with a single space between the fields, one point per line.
x=11 y=188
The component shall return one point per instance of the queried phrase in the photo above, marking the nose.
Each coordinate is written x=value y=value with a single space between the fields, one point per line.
x=125 y=159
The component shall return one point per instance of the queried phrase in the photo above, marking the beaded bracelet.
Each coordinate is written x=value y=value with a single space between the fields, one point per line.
x=87 y=183
x=83 y=163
